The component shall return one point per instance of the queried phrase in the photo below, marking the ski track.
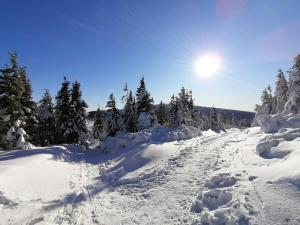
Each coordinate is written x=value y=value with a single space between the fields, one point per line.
x=160 y=195
x=164 y=194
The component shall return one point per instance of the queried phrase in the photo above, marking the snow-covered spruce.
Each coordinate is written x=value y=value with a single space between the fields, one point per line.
x=16 y=105
x=293 y=103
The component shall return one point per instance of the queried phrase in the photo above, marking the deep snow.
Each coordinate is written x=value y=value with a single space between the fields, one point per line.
x=215 y=178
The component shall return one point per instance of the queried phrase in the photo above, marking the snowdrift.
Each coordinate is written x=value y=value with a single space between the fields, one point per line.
x=273 y=123
x=157 y=134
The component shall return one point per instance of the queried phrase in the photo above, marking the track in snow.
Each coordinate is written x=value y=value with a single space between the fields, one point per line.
x=159 y=195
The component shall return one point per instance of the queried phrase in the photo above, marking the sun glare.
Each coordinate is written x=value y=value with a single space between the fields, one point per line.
x=208 y=65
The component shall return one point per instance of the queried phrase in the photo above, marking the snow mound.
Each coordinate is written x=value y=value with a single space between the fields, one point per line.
x=269 y=147
x=283 y=146
x=273 y=123
x=156 y=134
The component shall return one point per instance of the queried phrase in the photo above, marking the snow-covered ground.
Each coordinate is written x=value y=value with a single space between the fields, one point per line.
x=234 y=177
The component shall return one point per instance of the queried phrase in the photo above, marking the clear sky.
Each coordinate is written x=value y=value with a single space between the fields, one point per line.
x=104 y=44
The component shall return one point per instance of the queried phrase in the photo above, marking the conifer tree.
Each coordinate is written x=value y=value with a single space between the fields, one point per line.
x=293 y=103
x=267 y=100
x=98 y=127
x=281 y=91
x=173 y=110
x=213 y=117
x=63 y=113
x=144 y=106
x=185 y=107
x=130 y=115
x=46 y=119
x=16 y=105
x=29 y=108
x=125 y=96
x=162 y=114
x=78 y=114
x=112 y=118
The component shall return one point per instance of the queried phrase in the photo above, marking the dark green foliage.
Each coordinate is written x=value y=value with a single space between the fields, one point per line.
x=46 y=130
x=161 y=114
x=181 y=109
x=98 y=127
x=144 y=101
x=144 y=107
x=63 y=113
x=112 y=118
x=16 y=102
x=78 y=114
x=185 y=107
x=130 y=114
x=29 y=111
x=173 y=110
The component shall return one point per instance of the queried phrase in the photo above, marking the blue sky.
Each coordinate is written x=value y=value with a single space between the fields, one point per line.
x=104 y=44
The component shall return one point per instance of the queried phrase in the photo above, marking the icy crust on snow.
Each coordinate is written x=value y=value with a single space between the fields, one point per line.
x=157 y=134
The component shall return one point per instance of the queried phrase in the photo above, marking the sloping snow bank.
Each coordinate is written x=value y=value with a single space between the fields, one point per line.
x=284 y=146
x=275 y=160
x=273 y=123
x=157 y=134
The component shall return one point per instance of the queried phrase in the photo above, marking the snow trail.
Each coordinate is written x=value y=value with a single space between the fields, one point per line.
x=163 y=183
x=163 y=195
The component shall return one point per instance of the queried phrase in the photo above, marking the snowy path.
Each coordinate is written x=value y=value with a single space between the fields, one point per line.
x=162 y=195
x=207 y=180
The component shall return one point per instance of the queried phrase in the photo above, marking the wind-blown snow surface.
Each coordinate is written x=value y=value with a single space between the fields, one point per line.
x=216 y=178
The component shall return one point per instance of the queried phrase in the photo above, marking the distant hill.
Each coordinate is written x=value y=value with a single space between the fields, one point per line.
x=239 y=115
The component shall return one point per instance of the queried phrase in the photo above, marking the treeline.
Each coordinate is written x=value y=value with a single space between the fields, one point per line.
x=23 y=121
x=286 y=98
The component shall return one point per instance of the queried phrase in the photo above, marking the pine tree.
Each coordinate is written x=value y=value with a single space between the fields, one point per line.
x=281 y=91
x=29 y=108
x=161 y=114
x=125 y=97
x=144 y=106
x=173 y=111
x=267 y=102
x=130 y=115
x=98 y=127
x=112 y=118
x=78 y=114
x=16 y=105
x=46 y=119
x=185 y=107
x=213 y=117
x=293 y=103
x=63 y=113
x=267 y=106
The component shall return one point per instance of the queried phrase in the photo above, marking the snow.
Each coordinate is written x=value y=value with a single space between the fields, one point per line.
x=156 y=134
x=293 y=103
x=273 y=123
x=10 y=133
x=158 y=176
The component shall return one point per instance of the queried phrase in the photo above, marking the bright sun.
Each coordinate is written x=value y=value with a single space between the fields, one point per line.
x=208 y=65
